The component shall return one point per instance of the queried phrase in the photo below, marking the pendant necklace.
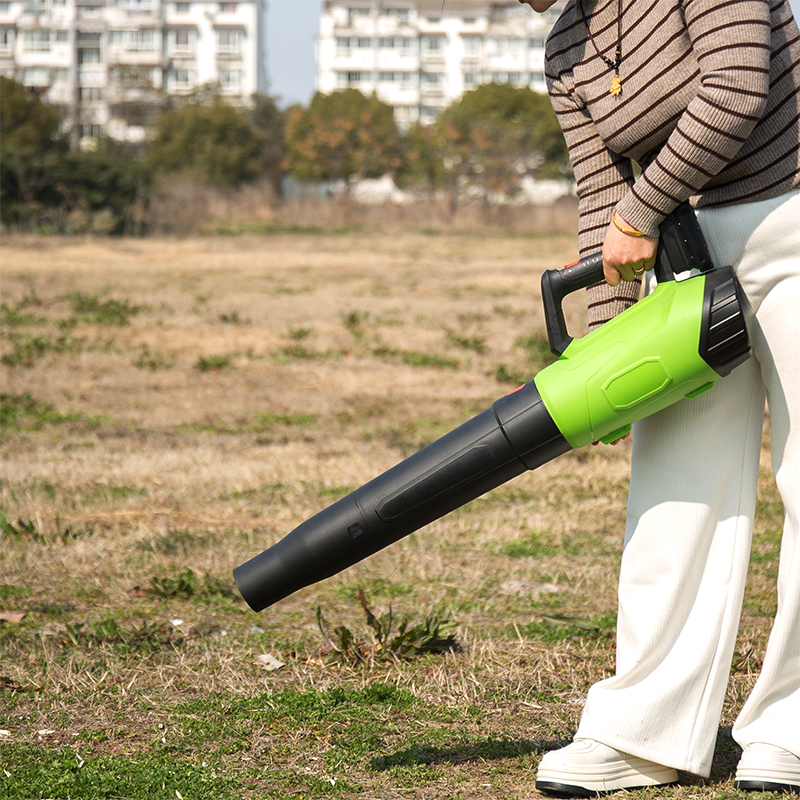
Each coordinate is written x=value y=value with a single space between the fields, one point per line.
x=616 y=82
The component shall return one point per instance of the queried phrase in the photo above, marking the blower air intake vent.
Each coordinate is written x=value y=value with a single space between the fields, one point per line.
x=724 y=343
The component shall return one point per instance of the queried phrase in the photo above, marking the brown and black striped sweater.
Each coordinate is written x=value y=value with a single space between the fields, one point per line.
x=710 y=102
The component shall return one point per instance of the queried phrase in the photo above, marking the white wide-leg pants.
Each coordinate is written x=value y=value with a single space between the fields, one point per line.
x=687 y=542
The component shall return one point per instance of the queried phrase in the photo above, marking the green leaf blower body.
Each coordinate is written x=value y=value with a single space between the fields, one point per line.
x=673 y=344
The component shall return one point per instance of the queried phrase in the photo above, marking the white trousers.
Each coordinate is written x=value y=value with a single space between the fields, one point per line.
x=687 y=542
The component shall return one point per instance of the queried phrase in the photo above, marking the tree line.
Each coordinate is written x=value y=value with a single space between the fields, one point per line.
x=486 y=143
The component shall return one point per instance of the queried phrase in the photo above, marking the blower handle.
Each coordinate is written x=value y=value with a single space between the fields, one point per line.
x=681 y=247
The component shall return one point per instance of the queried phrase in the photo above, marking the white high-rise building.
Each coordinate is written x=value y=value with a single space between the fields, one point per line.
x=110 y=66
x=421 y=55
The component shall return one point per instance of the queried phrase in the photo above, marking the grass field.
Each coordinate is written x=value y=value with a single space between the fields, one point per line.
x=172 y=407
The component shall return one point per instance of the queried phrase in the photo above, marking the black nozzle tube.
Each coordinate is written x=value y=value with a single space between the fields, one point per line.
x=516 y=434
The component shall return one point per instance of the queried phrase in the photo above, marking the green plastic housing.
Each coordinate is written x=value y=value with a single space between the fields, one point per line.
x=651 y=359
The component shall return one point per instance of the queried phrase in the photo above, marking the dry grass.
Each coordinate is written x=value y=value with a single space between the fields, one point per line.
x=255 y=379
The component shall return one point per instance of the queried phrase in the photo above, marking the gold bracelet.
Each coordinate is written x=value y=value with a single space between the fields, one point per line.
x=624 y=230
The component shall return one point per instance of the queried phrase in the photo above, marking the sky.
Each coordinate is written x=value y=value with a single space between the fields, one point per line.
x=292 y=26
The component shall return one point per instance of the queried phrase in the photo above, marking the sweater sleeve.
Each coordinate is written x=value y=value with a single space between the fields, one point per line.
x=602 y=178
x=731 y=41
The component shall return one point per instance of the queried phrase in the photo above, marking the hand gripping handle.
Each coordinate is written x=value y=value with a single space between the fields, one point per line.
x=681 y=247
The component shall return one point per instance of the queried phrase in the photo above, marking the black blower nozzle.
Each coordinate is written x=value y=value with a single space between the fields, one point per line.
x=516 y=434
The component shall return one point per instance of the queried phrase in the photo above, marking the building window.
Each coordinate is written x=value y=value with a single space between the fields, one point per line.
x=62 y=36
x=183 y=79
x=536 y=77
x=137 y=6
x=6 y=40
x=471 y=45
x=142 y=40
x=182 y=41
x=132 y=77
x=230 y=80
x=227 y=8
x=37 y=40
x=403 y=79
x=401 y=43
x=90 y=94
x=345 y=45
x=536 y=43
x=89 y=55
x=399 y=14
x=428 y=114
x=355 y=14
x=181 y=8
x=230 y=42
x=91 y=130
x=36 y=76
x=432 y=81
x=470 y=80
x=433 y=46
x=358 y=79
x=502 y=46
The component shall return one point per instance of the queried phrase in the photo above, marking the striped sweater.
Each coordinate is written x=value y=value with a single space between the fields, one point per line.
x=710 y=103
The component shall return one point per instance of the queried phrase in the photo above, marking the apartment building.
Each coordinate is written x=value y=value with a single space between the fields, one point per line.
x=421 y=55
x=110 y=66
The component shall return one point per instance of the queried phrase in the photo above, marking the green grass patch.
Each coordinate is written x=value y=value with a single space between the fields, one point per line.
x=466 y=341
x=94 y=310
x=41 y=770
x=537 y=350
x=534 y=545
x=8 y=592
x=299 y=352
x=214 y=363
x=27 y=349
x=188 y=585
x=152 y=360
x=24 y=412
x=178 y=542
x=147 y=637
x=15 y=315
x=558 y=628
x=234 y=318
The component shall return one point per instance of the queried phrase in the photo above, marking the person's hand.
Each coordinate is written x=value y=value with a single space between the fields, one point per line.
x=616 y=441
x=626 y=255
x=538 y=5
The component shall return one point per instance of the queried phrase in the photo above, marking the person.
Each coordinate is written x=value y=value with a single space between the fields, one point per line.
x=663 y=101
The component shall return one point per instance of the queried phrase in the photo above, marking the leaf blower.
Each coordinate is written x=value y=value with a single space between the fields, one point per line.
x=673 y=344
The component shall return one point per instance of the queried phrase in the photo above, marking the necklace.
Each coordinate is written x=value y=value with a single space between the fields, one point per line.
x=616 y=82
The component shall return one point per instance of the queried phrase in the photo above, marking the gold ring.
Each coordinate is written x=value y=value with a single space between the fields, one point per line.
x=640 y=271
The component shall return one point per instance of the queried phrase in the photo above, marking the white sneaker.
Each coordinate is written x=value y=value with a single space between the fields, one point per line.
x=587 y=768
x=766 y=768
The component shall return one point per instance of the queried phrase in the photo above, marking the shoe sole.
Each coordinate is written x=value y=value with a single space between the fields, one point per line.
x=767 y=786
x=571 y=790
